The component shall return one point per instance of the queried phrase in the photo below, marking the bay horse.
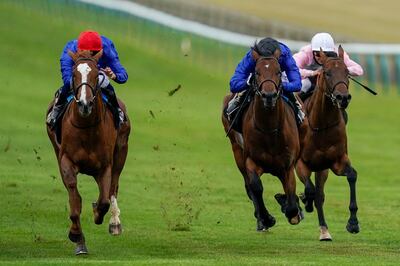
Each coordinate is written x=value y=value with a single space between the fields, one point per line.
x=269 y=143
x=323 y=140
x=90 y=144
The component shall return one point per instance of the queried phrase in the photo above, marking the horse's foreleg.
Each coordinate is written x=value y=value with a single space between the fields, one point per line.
x=320 y=179
x=114 y=226
x=289 y=201
x=304 y=173
x=345 y=168
x=68 y=173
x=255 y=191
x=102 y=205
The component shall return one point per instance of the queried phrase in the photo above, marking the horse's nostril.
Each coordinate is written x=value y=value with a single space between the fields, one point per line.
x=339 y=97
x=349 y=97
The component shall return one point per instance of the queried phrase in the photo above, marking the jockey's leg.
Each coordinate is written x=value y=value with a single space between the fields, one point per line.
x=60 y=102
x=299 y=114
x=234 y=104
x=119 y=116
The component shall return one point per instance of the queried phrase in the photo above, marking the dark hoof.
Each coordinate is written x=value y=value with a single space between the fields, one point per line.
x=75 y=237
x=264 y=224
x=308 y=203
x=81 y=249
x=115 y=229
x=281 y=199
x=353 y=228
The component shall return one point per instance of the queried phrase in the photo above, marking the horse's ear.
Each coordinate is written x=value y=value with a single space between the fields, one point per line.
x=255 y=55
x=277 y=53
x=341 y=52
x=73 y=55
x=322 y=55
x=98 y=55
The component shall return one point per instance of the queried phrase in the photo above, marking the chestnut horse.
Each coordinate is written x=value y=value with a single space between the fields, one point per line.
x=323 y=140
x=90 y=144
x=269 y=144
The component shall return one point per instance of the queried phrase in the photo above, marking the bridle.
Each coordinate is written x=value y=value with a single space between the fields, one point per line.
x=94 y=89
x=278 y=86
x=329 y=92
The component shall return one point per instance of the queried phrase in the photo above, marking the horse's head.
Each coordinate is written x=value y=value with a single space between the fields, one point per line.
x=84 y=80
x=267 y=81
x=336 y=76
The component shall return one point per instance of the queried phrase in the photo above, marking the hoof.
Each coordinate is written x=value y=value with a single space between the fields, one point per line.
x=297 y=219
x=115 y=229
x=81 y=249
x=75 y=237
x=324 y=234
x=353 y=228
x=264 y=224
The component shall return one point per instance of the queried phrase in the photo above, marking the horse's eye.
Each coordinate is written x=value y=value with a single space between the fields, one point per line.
x=328 y=74
x=257 y=73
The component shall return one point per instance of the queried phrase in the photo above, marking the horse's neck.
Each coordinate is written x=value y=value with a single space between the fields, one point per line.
x=267 y=119
x=93 y=119
x=320 y=110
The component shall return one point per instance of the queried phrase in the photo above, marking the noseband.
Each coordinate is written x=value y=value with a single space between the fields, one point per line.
x=94 y=89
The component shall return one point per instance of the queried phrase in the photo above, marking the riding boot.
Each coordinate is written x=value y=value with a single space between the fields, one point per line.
x=60 y=102
x=234 y=104
x=299 y=114
x=119 y=116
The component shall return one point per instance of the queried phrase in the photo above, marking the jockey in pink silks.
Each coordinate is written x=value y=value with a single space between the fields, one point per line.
x=307 y=60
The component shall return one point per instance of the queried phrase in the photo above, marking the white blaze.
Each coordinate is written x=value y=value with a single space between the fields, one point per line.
x=267 y=66
x=84 y=69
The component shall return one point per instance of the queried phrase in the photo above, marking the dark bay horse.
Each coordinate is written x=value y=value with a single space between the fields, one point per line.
x=90 y=144
x=269 y=144
x=323 y=140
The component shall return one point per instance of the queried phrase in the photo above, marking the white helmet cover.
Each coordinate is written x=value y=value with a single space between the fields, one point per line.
x=323 y=41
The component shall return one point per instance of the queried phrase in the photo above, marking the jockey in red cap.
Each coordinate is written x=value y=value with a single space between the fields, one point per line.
x=110 y=68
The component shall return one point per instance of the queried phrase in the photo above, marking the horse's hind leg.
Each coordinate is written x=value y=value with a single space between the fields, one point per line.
x=68 y=173
x=345 y=168
x=320 y=179
x=102 y=205
x=309 y=190
x=255 y=191
x=121 y=151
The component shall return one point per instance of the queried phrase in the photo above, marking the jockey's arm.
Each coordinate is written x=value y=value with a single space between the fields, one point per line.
x=289 y=66
x=245 y=67
x=354 y=68
x=67 y=63
x=121 y=76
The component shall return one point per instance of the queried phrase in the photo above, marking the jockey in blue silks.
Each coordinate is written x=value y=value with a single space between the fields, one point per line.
x=110 y=68
x=291 y=81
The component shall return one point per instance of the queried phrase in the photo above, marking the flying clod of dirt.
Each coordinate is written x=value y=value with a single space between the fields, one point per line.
x=172 y=92
x=152 y=114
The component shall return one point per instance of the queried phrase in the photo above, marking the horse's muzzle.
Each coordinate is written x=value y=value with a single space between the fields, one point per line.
x=269 y=99
x=85 y=109
x=343 y=100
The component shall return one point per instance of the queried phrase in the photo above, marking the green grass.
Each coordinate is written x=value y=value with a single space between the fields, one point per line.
x=370 y=21
x=182 y=199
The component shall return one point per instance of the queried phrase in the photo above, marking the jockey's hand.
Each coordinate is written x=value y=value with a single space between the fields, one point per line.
x=109 y=73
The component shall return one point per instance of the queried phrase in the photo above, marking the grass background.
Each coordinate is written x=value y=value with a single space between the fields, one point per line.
x=181 y=197
x=363 y=20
